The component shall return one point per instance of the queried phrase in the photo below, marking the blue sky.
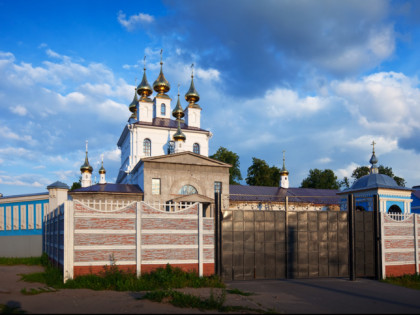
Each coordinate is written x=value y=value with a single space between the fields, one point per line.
x=318 y=79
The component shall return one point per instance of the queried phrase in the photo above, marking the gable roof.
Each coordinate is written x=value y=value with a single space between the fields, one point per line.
x=186 y=157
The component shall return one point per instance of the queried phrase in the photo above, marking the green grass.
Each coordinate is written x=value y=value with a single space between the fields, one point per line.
x=30 y=261
x=6 y=309
x=239 y=292
x=408 y=281
x=112 y=278
x=184 y=300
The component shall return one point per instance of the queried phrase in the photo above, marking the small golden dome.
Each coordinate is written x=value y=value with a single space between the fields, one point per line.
x=178 y=112
x=179 y=136
x=161 y=85
x=133 y=106
x=102 y=169
x=192 y=95
x=86 y=166
x=144 y=89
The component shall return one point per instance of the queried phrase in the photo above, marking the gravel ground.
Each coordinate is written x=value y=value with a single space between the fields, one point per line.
x=297 y=296
x=85 y=301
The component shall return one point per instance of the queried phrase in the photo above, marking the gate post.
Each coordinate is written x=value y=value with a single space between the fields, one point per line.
x=351 y=219
x=377 y=237
x=217 y=233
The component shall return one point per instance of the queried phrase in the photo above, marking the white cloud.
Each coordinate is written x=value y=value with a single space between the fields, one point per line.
x=19 y=110
x=346 y=171
x=387 y=103
x=113 y=155
x=134 y=21
x=208 y=75
x=286 y=103
x=383 y=145
x=324 y=160
x=5 y=132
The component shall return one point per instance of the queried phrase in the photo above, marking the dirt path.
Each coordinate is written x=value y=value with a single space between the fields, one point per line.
x=84 y=301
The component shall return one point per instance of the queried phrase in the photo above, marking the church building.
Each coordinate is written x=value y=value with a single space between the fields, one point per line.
x=166 y=159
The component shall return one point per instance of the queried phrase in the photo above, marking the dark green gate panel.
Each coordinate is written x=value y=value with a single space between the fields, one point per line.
x=257 y=244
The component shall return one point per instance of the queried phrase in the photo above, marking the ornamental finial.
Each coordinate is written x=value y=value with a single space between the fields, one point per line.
x=373 y=144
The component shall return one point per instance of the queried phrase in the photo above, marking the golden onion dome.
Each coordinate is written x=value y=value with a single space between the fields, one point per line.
x=102 y=169
x=161 y=85
x=178 y=112
x=86 y=166
x=179 y=136
x=144 y=89
x=192 y=95
x=284 y=171
x=133 y=106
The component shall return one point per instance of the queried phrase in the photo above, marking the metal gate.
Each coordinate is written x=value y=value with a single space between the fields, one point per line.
x=306 y=244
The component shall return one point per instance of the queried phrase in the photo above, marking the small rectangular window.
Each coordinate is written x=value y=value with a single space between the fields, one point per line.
x=155 y=186
x=218 y=187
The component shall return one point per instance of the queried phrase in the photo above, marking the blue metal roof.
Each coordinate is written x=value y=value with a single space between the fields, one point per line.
x=58 y=184
x=373 y=181
x=116 y=188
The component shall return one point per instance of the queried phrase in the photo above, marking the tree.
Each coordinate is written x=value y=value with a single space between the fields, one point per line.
x=77 y=184
x=365 y=170
x=345 y=183
x=260 y=174
x=325 y=179
x=226 y=156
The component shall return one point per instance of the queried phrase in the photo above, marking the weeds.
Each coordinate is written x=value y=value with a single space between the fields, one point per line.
x=29 y=261
x=184 y=300
x=112 y=278
x=11 y=309
x=408 y=281
x=239 y=292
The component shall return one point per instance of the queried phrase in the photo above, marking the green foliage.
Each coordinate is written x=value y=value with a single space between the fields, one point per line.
x=365 y=170
x=112 y=278
x=226 y=156
x=77 y=185
x=180 y=299
x=183 y=300
x=8 y=309
x=345 y=183
x=322 y=179
x=29 y=261
x=260 y=174
x=408 y=281
x=239 y=292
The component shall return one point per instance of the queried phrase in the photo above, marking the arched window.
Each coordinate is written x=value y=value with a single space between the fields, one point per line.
x=171 y=147
x=395 y=212
x=147 y=147
x=394 y=209
x=163 y=109
x=187 y=190
x=196 y=148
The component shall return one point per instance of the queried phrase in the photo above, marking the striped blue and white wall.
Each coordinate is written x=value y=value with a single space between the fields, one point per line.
x=21 y=219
